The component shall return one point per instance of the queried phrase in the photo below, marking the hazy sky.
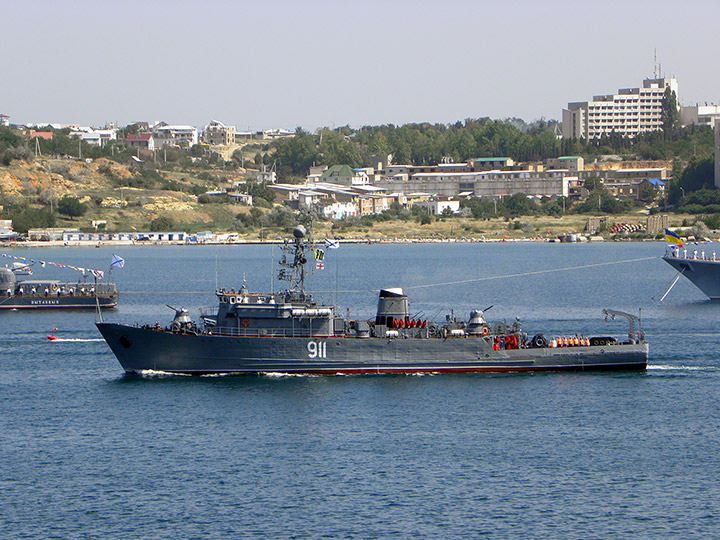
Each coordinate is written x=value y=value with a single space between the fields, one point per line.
x=289 y=63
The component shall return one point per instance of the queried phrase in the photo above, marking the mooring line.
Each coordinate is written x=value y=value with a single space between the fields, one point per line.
x=489 y=278
x=442 y=284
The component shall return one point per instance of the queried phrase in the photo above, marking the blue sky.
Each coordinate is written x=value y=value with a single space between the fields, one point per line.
x=329 y=63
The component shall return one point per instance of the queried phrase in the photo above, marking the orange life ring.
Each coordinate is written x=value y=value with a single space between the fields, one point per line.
x=245 y=322
x=485 y=330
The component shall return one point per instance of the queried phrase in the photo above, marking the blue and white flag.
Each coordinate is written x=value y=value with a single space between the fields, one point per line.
x=331 y=244
x=117 y=261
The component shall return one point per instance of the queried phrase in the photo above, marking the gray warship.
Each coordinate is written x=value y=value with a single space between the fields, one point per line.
x=53 y=294
x=701 y=267
x=289 y=332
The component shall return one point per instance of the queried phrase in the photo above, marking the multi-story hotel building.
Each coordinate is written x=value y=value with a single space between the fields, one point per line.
x=717 y=154
x=629 y=112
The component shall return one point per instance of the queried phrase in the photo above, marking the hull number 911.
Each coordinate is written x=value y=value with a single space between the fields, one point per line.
x=317 y=349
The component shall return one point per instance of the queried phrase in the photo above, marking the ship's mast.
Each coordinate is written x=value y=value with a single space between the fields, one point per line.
x=294 y=271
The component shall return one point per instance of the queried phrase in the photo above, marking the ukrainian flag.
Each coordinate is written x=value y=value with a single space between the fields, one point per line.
x=672 y=238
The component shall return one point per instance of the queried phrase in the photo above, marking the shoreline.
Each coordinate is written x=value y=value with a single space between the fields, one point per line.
x=124 y=243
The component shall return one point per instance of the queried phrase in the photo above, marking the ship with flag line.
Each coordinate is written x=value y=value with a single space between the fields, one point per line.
x=90 y=290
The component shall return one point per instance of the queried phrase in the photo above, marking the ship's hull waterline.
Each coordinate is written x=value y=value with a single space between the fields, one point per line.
x=142 y=349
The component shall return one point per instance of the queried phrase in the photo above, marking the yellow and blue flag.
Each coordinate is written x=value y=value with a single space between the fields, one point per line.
x=672 y=238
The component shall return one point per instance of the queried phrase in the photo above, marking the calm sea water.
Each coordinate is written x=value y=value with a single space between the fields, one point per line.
x=88 y=452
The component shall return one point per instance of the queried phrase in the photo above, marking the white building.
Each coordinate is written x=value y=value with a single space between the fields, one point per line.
x=340 y=210
x=95 y=137
x=174 y=135
x=717 y=154
x=629 y=112
x=343 y=175
x=79 y=236
x=144 y=141
x=437 y=206
x=550 y=183
x=700 y=115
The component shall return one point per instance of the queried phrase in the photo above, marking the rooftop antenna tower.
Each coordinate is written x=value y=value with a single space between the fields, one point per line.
x=655 y=64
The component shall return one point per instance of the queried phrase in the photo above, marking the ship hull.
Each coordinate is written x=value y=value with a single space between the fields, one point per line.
x=142 y=349
x=63 y=302
x=704 y=274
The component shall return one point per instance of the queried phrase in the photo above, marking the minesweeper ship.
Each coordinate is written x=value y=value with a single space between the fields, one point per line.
x=52 y=293
x=288 y=332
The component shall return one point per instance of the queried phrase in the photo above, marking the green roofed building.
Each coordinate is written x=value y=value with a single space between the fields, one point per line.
x=344 y=175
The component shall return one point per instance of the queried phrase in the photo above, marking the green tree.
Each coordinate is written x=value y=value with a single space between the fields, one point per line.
x=161 y=224
x=647 y=192
x=519 y=205
x=669 y=113
x=593 y=182
x=9 y=139
x=71 y=207
x=25 y=218
x=379 y=144
x=296 y=155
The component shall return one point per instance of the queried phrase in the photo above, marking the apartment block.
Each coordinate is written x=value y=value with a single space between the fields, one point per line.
x=629 y=112
x=700 y=115
x=552 y=183
x=717 y=154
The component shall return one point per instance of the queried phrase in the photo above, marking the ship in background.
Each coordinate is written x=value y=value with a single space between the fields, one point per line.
x=89 y=291
x=698 y=262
